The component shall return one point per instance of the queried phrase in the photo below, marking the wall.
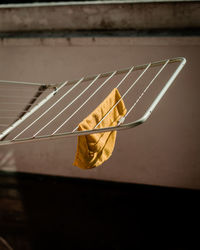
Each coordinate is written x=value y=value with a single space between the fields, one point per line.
x=163 y=151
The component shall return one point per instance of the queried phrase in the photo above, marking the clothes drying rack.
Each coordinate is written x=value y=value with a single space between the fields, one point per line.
x=24 y=117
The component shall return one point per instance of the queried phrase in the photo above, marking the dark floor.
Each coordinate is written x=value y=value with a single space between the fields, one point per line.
x=43 y=212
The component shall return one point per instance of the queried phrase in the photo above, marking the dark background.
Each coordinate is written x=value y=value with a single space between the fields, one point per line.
x=39 y=212
x=43 y=212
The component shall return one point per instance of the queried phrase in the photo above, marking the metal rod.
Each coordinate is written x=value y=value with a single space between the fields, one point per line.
x=137 y=67
x=91 y=97
x=39 y=92
x=163 y=91
x=65 y=94
x=119 y=127
x=23 y=83
x=133 y=84
x=133 y=106
x=70 y=134
x=123 y=79
x=40 y=104
x=30 y=91
x=88 y=100
x=47 y=111
x=76 y=99
x=60 y=111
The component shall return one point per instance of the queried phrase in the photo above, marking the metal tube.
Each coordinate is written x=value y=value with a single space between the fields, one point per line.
x=133 y=106
x=34 y=109
x=61 y=111
x=119 y=127
x=93 y=95
x=133 y=84
x=162 y=92
x=75 y=100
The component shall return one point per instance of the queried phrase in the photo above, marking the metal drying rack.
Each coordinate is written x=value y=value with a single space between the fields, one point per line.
x=32 y=106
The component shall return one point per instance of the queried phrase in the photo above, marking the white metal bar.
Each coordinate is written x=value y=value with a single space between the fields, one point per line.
x=40 y=104
x=47 y=110
x=91 y=96
x=60 y=111
x=76 y=99
x=133 y=106
x=87 y=101
x=123 y=79
x=182 y=62
x=23 y=83
x=162 y=92
x=137 y=67
x=75 y=133
x=53 y=106
x=124 y=94
x=74 y=3
x=25 y=90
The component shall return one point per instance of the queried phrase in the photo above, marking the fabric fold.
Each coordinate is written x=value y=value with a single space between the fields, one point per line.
x=94 y=149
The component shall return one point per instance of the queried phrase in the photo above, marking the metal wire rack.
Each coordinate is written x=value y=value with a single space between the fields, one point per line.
x=36 y=111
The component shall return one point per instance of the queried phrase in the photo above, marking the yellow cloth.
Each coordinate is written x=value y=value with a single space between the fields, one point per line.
x=94 y=149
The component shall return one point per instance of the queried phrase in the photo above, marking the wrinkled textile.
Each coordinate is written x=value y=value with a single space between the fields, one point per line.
x=94 y=149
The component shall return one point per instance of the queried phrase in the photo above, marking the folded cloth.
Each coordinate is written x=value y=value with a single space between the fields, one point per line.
x=94 y=149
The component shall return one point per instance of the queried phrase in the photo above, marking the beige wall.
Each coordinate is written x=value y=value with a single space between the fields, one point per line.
x=163 y=151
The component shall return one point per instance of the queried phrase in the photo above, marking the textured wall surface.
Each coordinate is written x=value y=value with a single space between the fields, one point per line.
x=101 y=16
x=163 y=151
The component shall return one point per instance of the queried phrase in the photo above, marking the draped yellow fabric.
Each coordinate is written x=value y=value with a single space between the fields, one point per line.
x=94 y=149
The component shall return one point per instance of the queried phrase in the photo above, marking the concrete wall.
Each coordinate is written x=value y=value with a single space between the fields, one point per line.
x=106 y=16
x=163 y=151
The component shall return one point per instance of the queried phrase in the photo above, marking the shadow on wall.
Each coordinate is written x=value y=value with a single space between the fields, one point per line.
x=164 y=151
x=7 y=160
